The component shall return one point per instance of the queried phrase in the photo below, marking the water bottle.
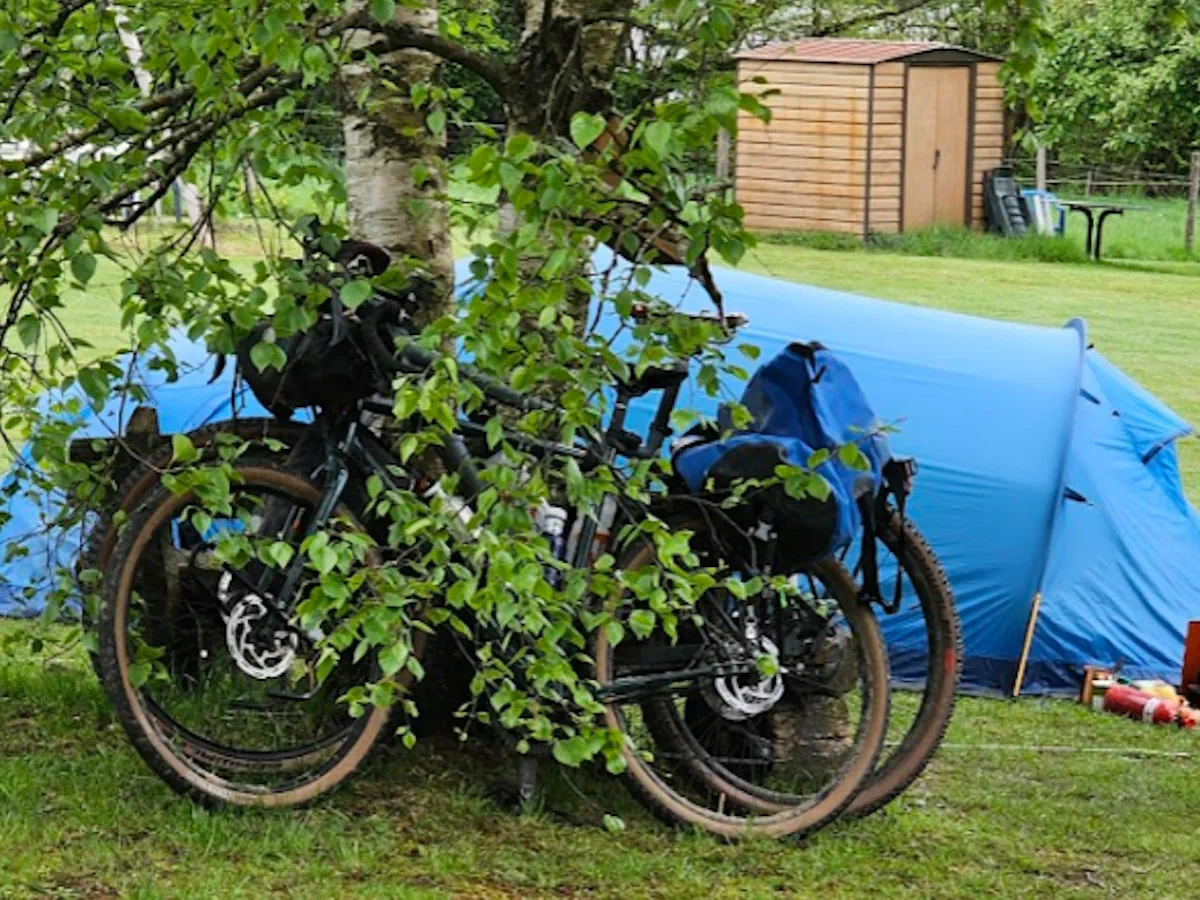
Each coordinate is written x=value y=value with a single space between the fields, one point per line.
x=551 y=521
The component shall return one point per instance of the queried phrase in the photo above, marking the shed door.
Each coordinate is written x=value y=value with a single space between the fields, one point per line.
x=935 y=151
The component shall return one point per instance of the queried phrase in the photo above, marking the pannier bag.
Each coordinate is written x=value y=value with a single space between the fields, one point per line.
x=802 y=401
x=331 y=365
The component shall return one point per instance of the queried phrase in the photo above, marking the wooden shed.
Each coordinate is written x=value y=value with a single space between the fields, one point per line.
x=868 y=136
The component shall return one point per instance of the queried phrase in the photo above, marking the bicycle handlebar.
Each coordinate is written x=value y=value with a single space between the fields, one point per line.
x=411 y=358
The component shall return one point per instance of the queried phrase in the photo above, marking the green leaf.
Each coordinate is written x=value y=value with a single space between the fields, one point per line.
x=393 y=658
x=510 y=177
x=520 y=147
x=642 y=622
x=613 y=824
x=436 y=121
x=182 y=449
x=585 y=128
x=83 y=266
x=356 y=292
x=383 y=10
x=614 y=631
x=324 y=558
x=29 y=329
x=494 y=431
x=280 y=553
x=571 y=752
x=266 y=355
x=94 y=384
x=767 y=665
x=658 y=137
x=44 y=219
x=139 y=673
x=852 y=456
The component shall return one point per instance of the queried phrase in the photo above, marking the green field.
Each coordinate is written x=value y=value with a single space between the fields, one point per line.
x=1152 y=230
x=1029 y=799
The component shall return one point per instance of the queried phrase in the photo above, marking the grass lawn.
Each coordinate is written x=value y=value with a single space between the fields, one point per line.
x=1003 y=812
x=1152 y=230
x=80 y=816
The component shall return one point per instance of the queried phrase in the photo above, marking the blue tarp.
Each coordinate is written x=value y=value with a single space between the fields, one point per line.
x=1042 y=468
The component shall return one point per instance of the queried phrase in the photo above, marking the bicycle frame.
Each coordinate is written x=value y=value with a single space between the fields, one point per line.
x=353 y=450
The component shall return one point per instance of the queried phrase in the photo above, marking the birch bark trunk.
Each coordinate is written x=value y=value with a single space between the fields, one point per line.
x=387 y=143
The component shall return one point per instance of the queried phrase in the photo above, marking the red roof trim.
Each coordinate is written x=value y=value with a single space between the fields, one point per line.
x=844 y=50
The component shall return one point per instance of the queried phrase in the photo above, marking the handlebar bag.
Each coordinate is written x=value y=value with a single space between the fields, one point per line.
x=324 y=369
x=802 y=401
x=331 y=365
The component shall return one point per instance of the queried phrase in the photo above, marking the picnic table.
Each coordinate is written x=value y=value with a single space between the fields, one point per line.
x=1105 y=209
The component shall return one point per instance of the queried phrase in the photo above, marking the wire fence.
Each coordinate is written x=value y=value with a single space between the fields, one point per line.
x=1087 y=180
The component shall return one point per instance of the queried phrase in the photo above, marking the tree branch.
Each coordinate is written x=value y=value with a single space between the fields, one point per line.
x=404 y=37
x=253 y=73
x=871 y=18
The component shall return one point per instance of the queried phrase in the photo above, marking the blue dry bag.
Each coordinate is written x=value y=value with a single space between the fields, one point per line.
x=802 y=401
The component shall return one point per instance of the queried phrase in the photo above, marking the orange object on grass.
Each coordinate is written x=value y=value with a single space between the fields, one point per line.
x=1191 y=663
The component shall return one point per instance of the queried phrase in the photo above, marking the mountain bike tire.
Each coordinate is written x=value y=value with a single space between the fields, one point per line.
x=741 y=812
x=147 y=730
x=904 y=765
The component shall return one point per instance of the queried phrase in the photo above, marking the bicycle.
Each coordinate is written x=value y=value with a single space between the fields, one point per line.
x=713 y=801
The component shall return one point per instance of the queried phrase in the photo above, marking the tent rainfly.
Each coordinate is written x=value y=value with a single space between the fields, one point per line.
x=1043 y=468
x=868 y=136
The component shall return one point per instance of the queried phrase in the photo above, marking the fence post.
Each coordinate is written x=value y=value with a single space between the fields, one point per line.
x=723 y=153
x=1087 y=188
x=1041 y=168
x=1189 y=234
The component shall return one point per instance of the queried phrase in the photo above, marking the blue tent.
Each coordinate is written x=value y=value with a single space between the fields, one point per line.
x=184 y=404
x=1043 y=469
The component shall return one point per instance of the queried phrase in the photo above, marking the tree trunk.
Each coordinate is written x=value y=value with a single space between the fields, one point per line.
x=566 y=65
x=387 y=143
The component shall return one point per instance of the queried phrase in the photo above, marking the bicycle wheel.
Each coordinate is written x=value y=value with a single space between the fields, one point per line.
x=216 y=695
x=924 y=731
x=147 y=475
x=802 y=741
x=917 y=729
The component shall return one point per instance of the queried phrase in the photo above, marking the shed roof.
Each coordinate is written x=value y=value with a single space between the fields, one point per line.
x=854 y=51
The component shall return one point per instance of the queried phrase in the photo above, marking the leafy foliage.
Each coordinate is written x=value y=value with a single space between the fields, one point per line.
x=1119 y=84
x=101 y=134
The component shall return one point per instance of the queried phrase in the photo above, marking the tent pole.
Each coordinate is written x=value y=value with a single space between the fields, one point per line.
x=1029 y=629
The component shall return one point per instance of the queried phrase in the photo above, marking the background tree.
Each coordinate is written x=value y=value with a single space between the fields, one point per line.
x=1121 y=83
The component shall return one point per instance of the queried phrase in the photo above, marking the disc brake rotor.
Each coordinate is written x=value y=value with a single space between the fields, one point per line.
x=260 y=652
x=736 y=699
